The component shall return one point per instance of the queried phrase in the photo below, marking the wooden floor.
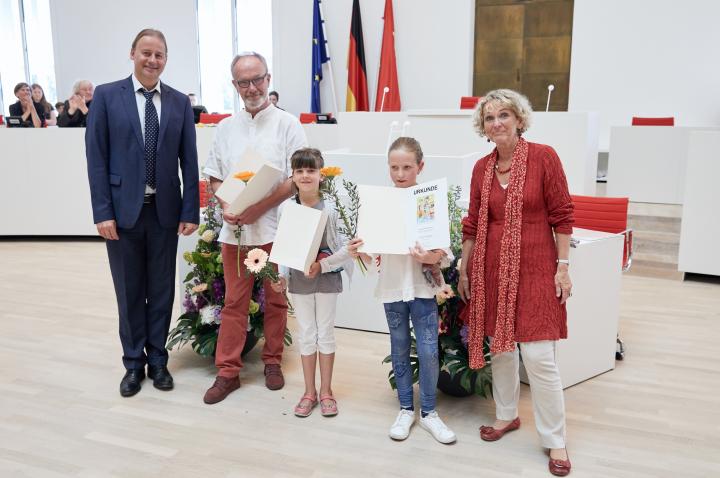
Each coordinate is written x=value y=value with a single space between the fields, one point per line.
x=656 y=415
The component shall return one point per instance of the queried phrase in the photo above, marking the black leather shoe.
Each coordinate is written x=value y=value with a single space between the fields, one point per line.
x=130 y=384
x=162 y=380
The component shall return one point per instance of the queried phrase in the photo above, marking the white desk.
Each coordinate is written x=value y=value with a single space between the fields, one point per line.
x=700 y=233
x=363 y=131
x=43 y=178
x=322 y=136
x=647 y=163
x=450 y=133
x=44 y=184
x=593 y=310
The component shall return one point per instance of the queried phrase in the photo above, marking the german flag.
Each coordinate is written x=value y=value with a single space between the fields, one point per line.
x=357 y=90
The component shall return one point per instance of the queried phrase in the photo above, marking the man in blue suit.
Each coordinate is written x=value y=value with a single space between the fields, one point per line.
x=139 y=131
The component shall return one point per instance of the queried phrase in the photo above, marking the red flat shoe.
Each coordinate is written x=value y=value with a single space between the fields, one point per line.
x=489 y=433
x=560 y=467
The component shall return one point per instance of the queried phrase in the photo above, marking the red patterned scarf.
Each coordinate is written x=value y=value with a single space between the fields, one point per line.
x=509 y=271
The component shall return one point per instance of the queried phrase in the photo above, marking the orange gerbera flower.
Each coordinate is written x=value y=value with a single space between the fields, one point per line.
x=331 y=171
x=244 y=176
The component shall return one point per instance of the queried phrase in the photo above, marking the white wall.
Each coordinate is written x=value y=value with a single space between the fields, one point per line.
x=433 y=47
x=646 y=58
x=92 y=40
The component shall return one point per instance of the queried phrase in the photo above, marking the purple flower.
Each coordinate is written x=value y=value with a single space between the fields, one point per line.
x=200 y=301
x=464 y=335
x=260 y=299
x=188 y=304
x=452 y=275
x=218 y=286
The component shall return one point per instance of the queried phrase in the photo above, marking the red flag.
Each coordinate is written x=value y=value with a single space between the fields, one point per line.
x=357 y=91
x=387 y=76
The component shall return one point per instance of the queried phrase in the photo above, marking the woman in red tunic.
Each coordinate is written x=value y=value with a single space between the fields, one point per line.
x=517 y=239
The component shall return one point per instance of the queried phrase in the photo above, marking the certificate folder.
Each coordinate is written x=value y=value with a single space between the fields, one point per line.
x=298 y=236
x=240 y=195
x=391 y=220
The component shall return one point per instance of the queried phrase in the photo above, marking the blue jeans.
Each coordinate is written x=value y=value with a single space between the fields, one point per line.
x=424 y=315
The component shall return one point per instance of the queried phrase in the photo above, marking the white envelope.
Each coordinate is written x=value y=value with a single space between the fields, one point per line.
x=298 y=236
x=391 y=220
x=240 y=196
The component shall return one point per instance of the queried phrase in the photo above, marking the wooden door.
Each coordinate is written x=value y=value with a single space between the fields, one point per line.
x=524 y=46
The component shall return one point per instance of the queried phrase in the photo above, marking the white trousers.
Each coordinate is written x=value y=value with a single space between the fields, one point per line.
x=545 y=386
x=315 y=314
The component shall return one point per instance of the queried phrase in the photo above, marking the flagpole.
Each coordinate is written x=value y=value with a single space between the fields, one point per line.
x=379 y=57
x=329 y=62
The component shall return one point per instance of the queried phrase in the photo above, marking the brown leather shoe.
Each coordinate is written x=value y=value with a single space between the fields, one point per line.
x=560 y=467
x=274 y=379
x=221 y=389
x=489 y=433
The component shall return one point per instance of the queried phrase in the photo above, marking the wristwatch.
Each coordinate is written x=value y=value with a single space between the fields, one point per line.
x=564 y=261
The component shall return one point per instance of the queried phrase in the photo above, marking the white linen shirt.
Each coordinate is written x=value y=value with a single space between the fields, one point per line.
x=275 y=135
x=401 y=278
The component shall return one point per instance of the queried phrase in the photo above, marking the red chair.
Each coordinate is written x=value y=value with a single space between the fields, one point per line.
x=469 y=102
x=606 y=215
x=308 y=118
x=667 y=121
x=212 y=118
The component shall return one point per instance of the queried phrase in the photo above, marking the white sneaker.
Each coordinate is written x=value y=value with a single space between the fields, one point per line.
x=400 y=430
x=434 y=424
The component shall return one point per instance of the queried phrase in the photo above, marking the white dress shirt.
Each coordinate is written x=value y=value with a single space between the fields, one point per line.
x=140 y=100
x=272 y=133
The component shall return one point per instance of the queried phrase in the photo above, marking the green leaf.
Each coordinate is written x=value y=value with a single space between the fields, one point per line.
x=465 y=380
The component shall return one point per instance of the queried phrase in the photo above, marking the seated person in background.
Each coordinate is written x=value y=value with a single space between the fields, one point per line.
x=197 y=109
x=38 y=96
x=274 y=98
x=32 y=113
x=60 y=107
x=77 y=107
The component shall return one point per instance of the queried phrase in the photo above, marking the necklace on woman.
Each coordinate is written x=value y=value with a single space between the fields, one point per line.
x=502 y=171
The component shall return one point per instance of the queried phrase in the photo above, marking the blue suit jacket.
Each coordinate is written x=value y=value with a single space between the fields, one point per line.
x=115 y=151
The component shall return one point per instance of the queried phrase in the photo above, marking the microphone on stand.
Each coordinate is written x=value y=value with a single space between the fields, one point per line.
x=550 y=90
x=382 y=102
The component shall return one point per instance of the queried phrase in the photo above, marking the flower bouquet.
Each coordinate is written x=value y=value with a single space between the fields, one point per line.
x=205 y=293
x=456 y=376
x=348 y=214
x=243 y=176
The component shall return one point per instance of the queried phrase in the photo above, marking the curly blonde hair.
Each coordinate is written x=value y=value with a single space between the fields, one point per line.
x=513 y=100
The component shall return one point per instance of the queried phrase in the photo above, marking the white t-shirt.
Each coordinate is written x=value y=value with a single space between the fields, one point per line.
x=275 y=135
x=401 y=278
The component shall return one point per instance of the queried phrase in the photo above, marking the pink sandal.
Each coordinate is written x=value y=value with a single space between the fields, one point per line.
x=328 y=409
x=305 y=406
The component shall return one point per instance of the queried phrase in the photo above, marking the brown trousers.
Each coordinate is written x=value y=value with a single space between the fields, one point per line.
x=234 y=316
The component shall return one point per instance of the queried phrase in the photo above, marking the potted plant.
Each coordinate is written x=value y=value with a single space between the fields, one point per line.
x=205 y=293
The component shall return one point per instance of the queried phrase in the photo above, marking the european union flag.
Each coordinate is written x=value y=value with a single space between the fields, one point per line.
x=319 y=56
